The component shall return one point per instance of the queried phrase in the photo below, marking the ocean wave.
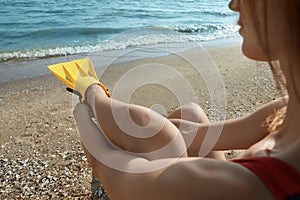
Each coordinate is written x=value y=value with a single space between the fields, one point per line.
x=216 y=13
x=42 y=53
x=75 y=31
x=206 y=29
x=132 y=38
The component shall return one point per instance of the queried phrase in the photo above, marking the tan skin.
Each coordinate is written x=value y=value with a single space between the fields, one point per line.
x=189 y=176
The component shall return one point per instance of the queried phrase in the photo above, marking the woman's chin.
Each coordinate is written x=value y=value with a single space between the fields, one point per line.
x=254 y=54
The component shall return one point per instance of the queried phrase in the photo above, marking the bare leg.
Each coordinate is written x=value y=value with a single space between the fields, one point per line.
x=194 y=113
x=135 y=128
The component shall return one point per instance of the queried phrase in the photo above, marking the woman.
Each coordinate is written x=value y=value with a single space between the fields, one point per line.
x=132 y=167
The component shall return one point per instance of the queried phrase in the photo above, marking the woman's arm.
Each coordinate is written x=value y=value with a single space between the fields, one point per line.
x=240 y=133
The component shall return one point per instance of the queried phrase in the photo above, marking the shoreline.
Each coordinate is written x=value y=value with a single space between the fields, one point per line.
x=12 y=70
x=39 y=145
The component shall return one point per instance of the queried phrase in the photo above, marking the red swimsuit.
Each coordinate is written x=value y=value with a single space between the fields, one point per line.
x=282 y=180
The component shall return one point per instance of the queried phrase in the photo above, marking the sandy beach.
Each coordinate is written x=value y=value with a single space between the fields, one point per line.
x=40 y=153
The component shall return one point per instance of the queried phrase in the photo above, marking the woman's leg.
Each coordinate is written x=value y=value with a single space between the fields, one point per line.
x=135 y=128
x=194 y=113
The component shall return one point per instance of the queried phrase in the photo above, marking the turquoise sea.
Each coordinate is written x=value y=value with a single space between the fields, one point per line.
x=35 y=29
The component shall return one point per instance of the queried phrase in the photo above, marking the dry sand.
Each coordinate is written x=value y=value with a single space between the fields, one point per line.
x=40 y=153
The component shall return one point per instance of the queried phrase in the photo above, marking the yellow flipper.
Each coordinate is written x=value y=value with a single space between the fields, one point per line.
x=77 y=73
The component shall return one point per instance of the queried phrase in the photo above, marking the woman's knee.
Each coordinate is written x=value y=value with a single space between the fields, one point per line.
x=195 y=113
x=190 y=112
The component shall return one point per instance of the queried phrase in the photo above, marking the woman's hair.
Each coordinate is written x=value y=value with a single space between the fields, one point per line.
x=291 y=13
x=293 y=39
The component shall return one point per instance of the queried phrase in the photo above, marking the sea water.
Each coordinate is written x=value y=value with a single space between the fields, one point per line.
x=46 y=28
